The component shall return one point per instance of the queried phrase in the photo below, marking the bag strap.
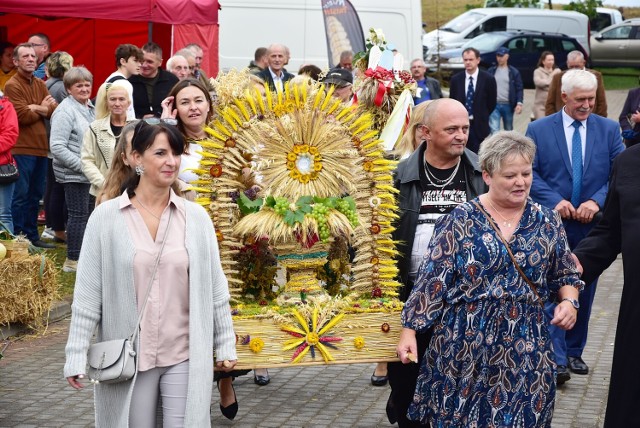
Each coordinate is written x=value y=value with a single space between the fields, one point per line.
x=513 y=259
x=133 y=336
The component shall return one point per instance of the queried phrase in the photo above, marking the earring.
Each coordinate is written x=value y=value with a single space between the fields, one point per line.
x=139 y=169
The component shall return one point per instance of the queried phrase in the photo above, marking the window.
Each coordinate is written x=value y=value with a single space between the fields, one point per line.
x=497 y=23
x=540 y=44
x=518 y=45
x=569 y=45
x=622 y=32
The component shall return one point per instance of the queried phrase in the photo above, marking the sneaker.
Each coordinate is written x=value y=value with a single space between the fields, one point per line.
x=47 y=233
x=70 y=265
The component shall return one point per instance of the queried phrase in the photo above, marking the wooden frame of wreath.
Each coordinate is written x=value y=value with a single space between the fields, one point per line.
x=310 y=150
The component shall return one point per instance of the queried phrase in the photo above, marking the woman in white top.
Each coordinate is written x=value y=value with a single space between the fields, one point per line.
x=190 y=104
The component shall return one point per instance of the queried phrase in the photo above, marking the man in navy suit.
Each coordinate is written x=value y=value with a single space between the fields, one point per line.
x=275 y=76
x=575 y=152
x=476 y=89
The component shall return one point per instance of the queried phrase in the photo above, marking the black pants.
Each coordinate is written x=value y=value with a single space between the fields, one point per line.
x=402 y=379
x=55 y=207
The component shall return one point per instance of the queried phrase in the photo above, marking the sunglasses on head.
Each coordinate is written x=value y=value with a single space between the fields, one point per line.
x=156 y=121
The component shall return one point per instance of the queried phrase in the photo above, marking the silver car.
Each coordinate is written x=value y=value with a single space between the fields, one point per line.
x=617 y=45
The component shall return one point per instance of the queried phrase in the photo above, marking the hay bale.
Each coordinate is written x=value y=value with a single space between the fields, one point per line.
x=28 y=287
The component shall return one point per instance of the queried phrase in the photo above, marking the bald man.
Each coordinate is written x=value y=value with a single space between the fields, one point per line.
x=275 y=76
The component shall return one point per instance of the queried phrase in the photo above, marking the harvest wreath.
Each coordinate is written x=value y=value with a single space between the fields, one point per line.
x=298 y=180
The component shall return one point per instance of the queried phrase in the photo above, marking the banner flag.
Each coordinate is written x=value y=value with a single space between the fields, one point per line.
x=343 y=29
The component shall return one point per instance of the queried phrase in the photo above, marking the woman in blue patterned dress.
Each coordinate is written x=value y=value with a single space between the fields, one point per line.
x=490 y=361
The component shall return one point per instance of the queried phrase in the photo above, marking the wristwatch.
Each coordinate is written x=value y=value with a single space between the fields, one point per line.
x=574 y=302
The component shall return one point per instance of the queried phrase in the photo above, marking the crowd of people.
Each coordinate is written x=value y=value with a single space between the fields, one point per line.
x=496 y=315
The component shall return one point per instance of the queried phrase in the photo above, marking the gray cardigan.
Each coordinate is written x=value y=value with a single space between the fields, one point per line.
x=104 y=297
x=69 y=122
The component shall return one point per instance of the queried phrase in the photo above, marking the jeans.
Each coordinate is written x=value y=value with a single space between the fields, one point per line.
x=504 y=112
x=6 y=195
x=79 y=205
x=27 y=194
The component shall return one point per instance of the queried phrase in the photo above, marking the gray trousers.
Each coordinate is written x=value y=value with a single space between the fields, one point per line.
x=171 y=384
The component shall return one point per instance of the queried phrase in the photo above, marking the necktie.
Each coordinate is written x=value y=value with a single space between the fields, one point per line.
x=576 y=162
x=469 y=101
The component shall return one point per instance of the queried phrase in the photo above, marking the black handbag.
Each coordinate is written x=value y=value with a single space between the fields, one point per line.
x=9 y=173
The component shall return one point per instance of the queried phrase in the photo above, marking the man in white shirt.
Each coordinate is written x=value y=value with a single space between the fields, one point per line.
x=275 y=76
x=477 y=90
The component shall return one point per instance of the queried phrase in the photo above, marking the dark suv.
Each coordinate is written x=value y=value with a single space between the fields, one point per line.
x=525 y=48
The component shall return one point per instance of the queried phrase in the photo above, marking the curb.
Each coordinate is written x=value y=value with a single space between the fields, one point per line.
x=58 y=311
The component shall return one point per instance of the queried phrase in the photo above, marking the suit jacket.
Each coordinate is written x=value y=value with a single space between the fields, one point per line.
x=631 y=105
x=266 y=76
x=484 y=102
x=161 y=89
x=552 y=171
x=554 y=98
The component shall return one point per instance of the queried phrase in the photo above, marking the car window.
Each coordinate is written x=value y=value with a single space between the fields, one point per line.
x=601 y=21
x=621 y=32
x=540 y=44
x=637 y=32
x=497 y=23
x=569 y=45
x=518 y=45
x=462 y=22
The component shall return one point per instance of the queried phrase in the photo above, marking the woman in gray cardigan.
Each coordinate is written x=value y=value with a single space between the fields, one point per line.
x=68 y=124
x=113 y=275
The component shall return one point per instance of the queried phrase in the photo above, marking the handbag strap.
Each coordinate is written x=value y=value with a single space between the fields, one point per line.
x=153 y=275
x=513 y=259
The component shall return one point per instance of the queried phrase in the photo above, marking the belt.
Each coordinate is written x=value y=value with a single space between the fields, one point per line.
x=427 y=221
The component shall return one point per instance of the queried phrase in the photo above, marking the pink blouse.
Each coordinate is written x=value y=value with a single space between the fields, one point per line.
x=164 y=329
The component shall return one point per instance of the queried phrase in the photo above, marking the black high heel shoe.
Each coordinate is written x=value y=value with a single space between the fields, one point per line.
x=261 y=380
x=231 y=410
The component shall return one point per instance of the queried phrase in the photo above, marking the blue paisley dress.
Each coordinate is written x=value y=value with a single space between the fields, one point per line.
x=490 y=362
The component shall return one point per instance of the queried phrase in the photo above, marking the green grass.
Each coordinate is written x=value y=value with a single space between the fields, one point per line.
x=66 y=280
x=619 y=78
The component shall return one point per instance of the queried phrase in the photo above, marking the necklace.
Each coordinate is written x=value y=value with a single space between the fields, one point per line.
x=440 y=183
x=506 y=221
x=147 y=209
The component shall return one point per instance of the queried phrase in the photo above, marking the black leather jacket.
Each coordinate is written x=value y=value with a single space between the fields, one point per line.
x=407 y=180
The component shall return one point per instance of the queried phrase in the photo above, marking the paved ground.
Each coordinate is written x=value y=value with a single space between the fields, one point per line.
x=34 y=394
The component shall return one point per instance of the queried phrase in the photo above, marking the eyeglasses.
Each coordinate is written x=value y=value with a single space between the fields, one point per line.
x=38 y=45
x=156 y=121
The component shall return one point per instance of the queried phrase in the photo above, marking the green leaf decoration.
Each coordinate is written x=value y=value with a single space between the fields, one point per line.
x=304 y=204
x=247 y=206
x=352 y=202
x=270 y=201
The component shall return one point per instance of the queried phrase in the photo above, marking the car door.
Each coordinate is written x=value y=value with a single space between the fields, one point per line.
x=633 y=55
x=612 y=46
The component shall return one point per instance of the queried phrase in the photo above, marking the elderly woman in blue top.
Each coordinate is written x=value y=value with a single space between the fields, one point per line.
x=68 y=124
x=490 y=361
x=187 y=314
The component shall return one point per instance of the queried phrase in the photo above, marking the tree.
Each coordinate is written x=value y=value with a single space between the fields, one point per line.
x=588 y=7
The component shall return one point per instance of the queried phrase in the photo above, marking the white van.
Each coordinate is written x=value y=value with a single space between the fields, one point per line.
x=474 y=22
x=299 y=24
